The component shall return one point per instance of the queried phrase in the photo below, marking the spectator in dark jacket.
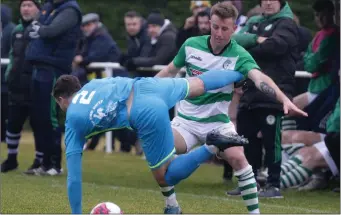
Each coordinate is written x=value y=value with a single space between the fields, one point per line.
x=163 y=42
x=97 y=46
x=272 y=40
x=18 y=76
x=51 y=51
x=138 y=41
x=6 y=31
x=190 y=28
x=305 y=38
x=202 y=27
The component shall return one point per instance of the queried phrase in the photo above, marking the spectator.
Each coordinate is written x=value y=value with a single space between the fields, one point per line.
x=163 y=43
x=190 y=28
x=317 y=57
x=273 y=42
x=138 y=41
x=255 y=11
x=313 y=129
x=323 y=154
x=97 y=46
x=305 y=38
x=18 y=76
x=202 y=23
x=51 y=52
x=6 y=29
x=241 y=20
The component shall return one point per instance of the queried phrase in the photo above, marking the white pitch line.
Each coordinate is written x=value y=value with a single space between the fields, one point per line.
x=306 y=210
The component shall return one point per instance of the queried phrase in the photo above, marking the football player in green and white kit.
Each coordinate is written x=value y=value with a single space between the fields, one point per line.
x=198 y=116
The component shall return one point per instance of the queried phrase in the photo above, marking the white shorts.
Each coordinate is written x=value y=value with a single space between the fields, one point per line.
x=311 y=97
x=322 y=148
x=194 y=133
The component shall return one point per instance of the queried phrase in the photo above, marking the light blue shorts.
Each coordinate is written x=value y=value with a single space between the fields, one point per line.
x=153 y=97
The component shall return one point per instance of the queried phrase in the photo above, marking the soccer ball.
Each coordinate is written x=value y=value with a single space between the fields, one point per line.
x=106 y=208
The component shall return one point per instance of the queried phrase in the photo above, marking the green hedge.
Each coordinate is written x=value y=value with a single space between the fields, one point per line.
x=112 y=12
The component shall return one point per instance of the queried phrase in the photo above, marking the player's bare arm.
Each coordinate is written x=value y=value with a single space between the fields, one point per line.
x=268 y=87
x=169 y=71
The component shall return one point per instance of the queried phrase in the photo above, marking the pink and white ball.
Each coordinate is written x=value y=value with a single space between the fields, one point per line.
x=106 y=208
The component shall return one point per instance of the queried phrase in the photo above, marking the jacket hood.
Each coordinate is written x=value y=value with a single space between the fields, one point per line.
x=6 y=15
x=284 y=12
x=167 y=27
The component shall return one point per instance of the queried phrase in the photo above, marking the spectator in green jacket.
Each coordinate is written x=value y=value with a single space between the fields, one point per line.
x=317 y=59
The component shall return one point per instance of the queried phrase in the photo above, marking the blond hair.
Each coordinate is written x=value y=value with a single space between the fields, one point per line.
x=224 y=10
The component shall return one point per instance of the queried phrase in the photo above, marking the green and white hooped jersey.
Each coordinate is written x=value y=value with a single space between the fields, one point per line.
x=196 y=55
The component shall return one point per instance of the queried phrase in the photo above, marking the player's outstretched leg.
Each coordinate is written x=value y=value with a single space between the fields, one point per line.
x=211 y=80
x=184 y=165
x=234 y=155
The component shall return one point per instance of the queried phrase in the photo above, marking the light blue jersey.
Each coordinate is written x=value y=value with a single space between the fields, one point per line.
x=98 y=107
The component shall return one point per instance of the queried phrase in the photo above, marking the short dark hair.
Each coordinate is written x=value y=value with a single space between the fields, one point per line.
x=224 y=10
x=66 y=86
x=132 y=14
x=324 y=5
x=203 y=13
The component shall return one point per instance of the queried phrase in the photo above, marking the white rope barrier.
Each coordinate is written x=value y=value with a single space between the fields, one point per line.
x=107 y=68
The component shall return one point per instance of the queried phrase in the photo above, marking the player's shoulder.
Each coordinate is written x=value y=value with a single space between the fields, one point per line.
x=238 y=49
x=76 y=114
x=198 y=40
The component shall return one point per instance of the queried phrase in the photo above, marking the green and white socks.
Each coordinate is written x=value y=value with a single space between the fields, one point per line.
x=170 y=197
x=248 y=187
x=294 y=173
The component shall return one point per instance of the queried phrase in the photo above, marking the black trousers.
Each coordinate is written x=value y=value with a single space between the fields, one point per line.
x=268 y=122
x=4 y=115
x=44 y=118
x=17 y=115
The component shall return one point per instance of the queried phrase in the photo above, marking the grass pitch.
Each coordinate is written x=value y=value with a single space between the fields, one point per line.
x=125 y=180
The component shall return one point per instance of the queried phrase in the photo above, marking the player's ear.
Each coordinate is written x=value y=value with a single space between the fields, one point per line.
x=59 y=99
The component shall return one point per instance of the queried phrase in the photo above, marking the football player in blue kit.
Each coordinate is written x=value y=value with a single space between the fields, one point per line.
x=141 y=104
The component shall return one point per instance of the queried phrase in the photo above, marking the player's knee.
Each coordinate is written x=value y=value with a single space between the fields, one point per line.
x=312 y=158
x=300 y=137
x=159 y=175
x=236 y=158
x=286 y=137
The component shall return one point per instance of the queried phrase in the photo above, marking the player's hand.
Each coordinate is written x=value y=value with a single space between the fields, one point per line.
x=290 y=108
